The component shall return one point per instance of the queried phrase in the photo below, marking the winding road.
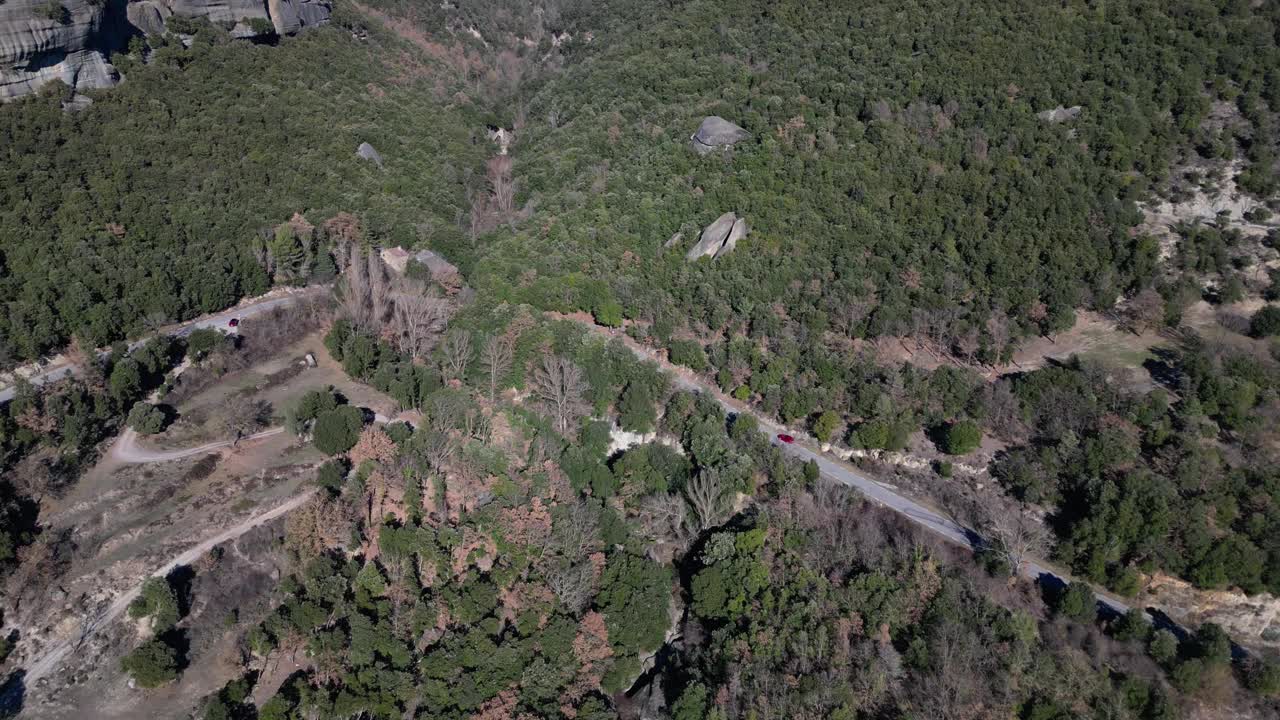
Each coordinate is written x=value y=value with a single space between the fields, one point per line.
x=883 y=494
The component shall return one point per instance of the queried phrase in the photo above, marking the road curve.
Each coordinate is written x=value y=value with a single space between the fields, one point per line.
x=216 y=320
x=127 y=450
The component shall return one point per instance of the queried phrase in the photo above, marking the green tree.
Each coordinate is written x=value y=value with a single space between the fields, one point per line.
x=1265 y=322
x=826 y=426
x=146 y=419
x=635 y=596
x=637 y=409
x=962 y=438
x=1163 y=647
x=151 y=664
x=1077 y=602
x=158 y=601
x=336 y=431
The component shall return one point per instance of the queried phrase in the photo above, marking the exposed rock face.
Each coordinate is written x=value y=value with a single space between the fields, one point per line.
x=719 y=237
x=738 y=232
x=1060 y=114
x=36 y=49
x=1253 y=621
x=716 y=132
x=367 y=152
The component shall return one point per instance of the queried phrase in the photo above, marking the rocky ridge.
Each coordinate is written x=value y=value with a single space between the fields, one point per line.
x=72 y=40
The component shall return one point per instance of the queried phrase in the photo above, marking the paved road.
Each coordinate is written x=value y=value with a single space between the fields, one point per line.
x=217 y=320
x=880 y=493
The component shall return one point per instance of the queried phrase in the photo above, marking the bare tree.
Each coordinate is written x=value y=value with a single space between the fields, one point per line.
x=565 y=557
x=706 y=495
x=998 y=333
x=240 y=414
x=502 y=187
x=1016 y=538
x=419 y=320
x=559 y=385
x=496 y=358
x=457 y=355
x=664 y=518
x=1145 y=311
x=353 y=289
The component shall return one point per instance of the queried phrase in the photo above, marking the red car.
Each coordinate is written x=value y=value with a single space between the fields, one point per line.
x=786 y=438
x=233 y=322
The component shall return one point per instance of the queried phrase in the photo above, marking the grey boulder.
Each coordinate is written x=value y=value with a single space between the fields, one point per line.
x=366 y=152
x=1060 y=114
x=719 y=238
x=716 y=132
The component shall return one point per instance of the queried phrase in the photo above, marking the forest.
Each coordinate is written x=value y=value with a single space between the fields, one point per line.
x=503 y=559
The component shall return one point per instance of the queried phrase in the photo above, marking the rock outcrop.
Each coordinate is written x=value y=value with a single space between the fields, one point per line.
x=366 y=152
x=716 y=132
x=1060 y=114
x=1251 y=621
x=719 y=238
x=42 y=41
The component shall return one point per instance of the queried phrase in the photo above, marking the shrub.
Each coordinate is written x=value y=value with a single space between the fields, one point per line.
x=152 y=664
x=55 y=11
x=962 y=438
x=1077 y=602
x=336 y=431
x=201 y=341
x=1263 y=678
x=826 y=426
x=146 y=419
x=688 y=353
x=608 y=313
x=1265 y=322
x=1163 y=647
x=157 y=601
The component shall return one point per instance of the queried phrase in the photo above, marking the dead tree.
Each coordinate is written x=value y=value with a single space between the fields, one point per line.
x=560 y=387
x=496 y=358
x=419 y=319
x=1016 y=538
x=502 y=186
x=457 y=356
x=707 y=498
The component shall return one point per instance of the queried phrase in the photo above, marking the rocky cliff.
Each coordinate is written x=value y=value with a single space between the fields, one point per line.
x=72 y=40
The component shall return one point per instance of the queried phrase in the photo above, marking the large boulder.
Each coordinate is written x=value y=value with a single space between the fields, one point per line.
x=716 y=132
x=715 y=238
x=1060 y=114
x=40 y=42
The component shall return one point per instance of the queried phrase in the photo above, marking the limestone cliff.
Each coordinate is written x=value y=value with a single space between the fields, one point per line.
x=42 y=41
x=72 y=40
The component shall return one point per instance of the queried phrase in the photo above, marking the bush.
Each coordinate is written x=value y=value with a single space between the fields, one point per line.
x=152 y=664
x=688 y=353
x=826 y=426
x=962 y=438
x=201 y=341
x=1163 y=647
x=336 y=431
x=1265 y=322
x=146 y=419
x=55 y=11
x=608 y=313
x=157 y=601
x=1263 y=678
x=1077 y=602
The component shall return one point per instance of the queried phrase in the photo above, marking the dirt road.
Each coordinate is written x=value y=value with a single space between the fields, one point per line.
x=127 y=451
x=50 y=659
